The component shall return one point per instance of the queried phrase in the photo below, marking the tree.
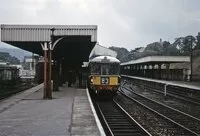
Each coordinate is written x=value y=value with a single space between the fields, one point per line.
x=183 y=44
x=166 y=48
x=198 y=41
x=149 y=53
x=122 y=53
x=156 y=46
x=189 y=42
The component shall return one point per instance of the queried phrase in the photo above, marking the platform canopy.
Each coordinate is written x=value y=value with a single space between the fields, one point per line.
x=158 y=60
x=74 y=42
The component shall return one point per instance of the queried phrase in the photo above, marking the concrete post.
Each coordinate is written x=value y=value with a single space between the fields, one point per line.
x=167 y=70
x=159 y=71
x=133 y=70
x=147 y=70
x=137 y=70
x=153 y=72
x=142 y=70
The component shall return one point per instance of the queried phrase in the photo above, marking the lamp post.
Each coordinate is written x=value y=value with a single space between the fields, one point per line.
x=50 y=51
x=49 y=54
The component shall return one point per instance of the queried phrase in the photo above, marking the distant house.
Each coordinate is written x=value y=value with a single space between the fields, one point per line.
x=30 y=62
x=29 y=67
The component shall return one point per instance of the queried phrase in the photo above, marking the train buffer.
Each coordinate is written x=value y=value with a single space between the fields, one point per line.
x=68 y=113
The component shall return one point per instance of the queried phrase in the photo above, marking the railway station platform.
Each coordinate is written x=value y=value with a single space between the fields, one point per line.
x=183 y=84
x=69 y=113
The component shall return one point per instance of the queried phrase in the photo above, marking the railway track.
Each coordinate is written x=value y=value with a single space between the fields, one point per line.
x=175 y=101
x=186 y=95
x=187 y=122
x=9 y=92
x=175 y=93
x=117 y=121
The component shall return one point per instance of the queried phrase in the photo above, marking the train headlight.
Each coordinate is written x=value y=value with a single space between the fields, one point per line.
x=91 y=80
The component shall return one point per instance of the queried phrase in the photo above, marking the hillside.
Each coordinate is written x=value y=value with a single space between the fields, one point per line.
x=15 y=52
x=122 y=53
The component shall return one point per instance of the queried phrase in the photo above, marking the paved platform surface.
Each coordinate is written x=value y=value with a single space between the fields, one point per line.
x=68 y=113
x=83 y=122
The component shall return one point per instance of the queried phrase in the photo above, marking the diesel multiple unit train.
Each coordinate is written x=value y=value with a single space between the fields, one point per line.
x=104 y=75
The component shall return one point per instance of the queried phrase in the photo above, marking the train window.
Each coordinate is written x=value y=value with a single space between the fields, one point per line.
x=114 y=69
x=95 y=69
x=105 y=69
x=110 y=69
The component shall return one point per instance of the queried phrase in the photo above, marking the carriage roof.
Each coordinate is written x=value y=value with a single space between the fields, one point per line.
x=105 y=59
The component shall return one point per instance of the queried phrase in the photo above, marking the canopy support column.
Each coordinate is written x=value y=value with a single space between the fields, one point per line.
x=49 y=94
x=47 y=71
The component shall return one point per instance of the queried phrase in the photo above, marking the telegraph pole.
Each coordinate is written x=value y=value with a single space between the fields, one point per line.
x=191 y=58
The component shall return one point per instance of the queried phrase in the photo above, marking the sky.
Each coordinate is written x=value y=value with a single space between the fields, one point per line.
x=121 y=23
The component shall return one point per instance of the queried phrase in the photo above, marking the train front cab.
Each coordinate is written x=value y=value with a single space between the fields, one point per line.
x=104 y=78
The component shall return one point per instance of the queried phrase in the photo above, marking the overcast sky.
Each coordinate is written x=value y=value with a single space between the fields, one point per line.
x=123 y=23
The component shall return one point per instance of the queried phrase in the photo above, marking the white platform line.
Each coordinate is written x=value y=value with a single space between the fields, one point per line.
x=95 y=115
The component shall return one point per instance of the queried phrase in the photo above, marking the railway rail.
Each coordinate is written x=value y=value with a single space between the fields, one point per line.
x=175 y=101
x=9 y=92
x=117 y=121
x=186 y=95
x=172 y=92
x=190 y=124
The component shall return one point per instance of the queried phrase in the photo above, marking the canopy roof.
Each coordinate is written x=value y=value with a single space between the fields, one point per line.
x=158 y=60
x=76 y=42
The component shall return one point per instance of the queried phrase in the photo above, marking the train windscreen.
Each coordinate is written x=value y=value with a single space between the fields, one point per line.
x=95 y=69
x=105 y=69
